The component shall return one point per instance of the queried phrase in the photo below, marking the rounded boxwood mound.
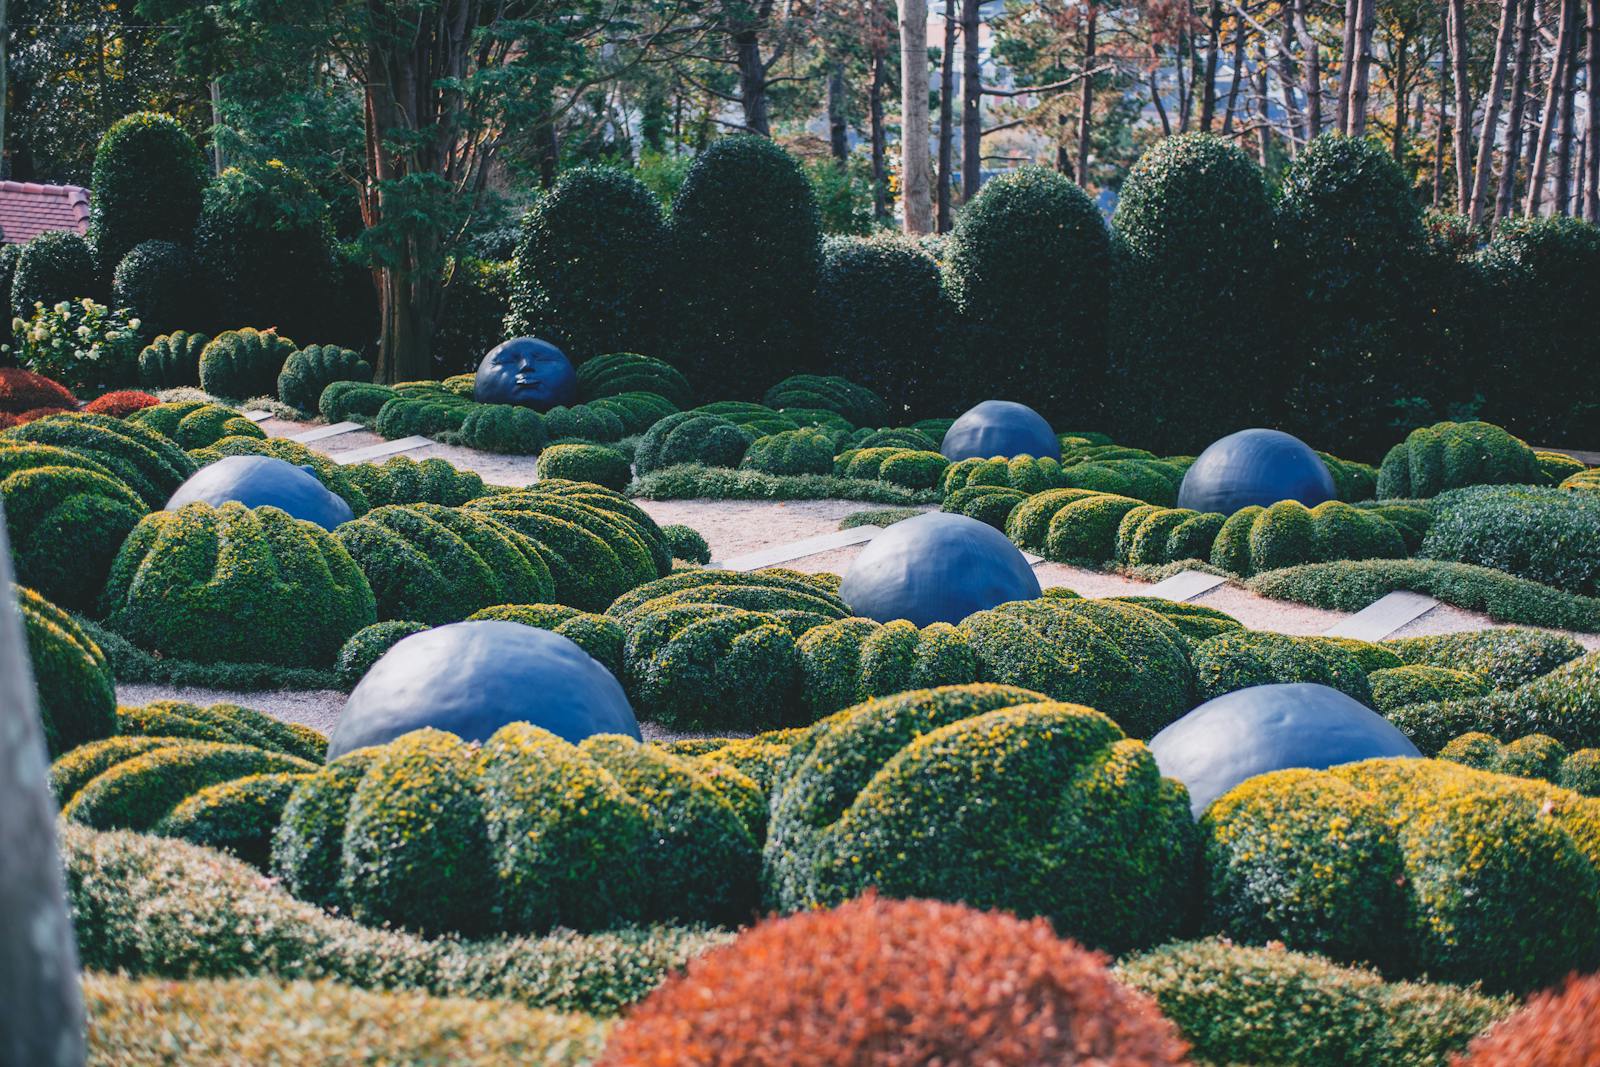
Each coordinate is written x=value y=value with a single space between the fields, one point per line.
x=66 y=516
x=601 y=637
x=803 y=451
x=898 y=466
x=368 y=644
x=586 y=463
x=1030 y=474
x=234 y=584
x=307 y=372
x=637 y=411
x=433 y=564
x=853 y=660
x=401 y=480
x=686 y=544
x=77 y=695
x=858 y=405
x=620 y=373
x=990 y=504
x=172 y=360
x=237 y=816
x=244 y=363
x=1533 y=756
x=1540 y=533
x=221 y=722
x=1396 y=687
x=159 y=283
x=340 y=481
x=1239 y=660
x=144 y=460
x=196 y=424
x=989 y=795
x=1563 y=704
x=692 y=437
x=344 y=401
x=1448 y=455
x=1506 y=657
x=583 y=422
x=149 y=178
x=54 y=266
x=503 y=428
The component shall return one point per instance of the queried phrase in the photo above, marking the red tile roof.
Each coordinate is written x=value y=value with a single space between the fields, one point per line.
x=27 y=210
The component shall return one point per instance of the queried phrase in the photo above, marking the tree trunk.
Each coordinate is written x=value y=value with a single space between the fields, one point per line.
x=1264 y=129
x=1397 y=145
x=1287 y=75
x=1237 y=64
x=838 y=131
x=880 y=176
x=1347 y=61
x=1208 y=96
x=1552 y=109
x=1505 y=199
x=1086 y=93
x=1458 y=70
x=1313 y=70
x=1363 y=73
x=915 y=181
x=1161 y=109
x=947 y=89
x=1565 y=124
x=1487 y=135
x=1183 y=63
x=752 y=81
x=5 y=72
x=971 y=103
x=1591 y=141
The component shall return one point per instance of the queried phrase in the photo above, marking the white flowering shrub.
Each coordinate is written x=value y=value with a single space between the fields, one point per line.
x=85 y=346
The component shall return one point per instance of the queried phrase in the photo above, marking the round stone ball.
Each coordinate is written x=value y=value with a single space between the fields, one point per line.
x=471 y=678
x=527 y=372
x=1255 y=467
x=261 y=482
x=1269 y=728
x=936 y=568
x=1000 y=428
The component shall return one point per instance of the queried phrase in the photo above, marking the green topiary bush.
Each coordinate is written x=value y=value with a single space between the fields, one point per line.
x=1028 y=269
x=1588 y=481
x=636 y=411
x=172 y=360
x=56 y=265
x=589 y=271
x=746 y=250
x=433 y=564
x=992 y=504
x=621 y=373
x=159 y=283
x=1557 y=467
x=238 y=816
x=436 y=411
x=856 y=404
x=196 y=424
x=244 y=363
x=1449 y=455
x=583 y=422
x=1543 y=534
x=586 y=463
x=307 y=372
x=236 y=584
x=804 y=451
x=692 y=437
x=897 y=466
x=344 y=401
x=368 y=644
x=142 y=459
x=900 y=437
x=77 y=695
x=942 y=793
x=227 y=723
x=402 y=480
x=503 y=428
x=756 y=418
x=1563 y=704
x=336 y=479
x=1024 y=473
x=307 y=848
x=149 y=178
x=1396 y=687
x=601 y=637
x=686 y=544
x=846 y=662
x=1239 y=660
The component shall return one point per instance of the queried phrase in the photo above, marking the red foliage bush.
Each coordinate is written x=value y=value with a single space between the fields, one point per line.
x=22 y=390
x=1559 y=1028
x=39 y=413
x=889 y=983
x=8 y=420
x=122 y=403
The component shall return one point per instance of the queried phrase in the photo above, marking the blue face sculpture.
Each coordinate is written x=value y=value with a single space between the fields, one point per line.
x=1255 y=467
x=471 y=678
x=528 y=372
x=1270 y=728
x=936 y=568
x=263 y=481
x=1000 y=428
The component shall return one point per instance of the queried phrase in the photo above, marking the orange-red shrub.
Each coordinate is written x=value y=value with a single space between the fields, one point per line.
x=1559 y=1028
x=887 y=983
x=121 y=403
x=39 y=413
x=22 y=390
x=8 y=420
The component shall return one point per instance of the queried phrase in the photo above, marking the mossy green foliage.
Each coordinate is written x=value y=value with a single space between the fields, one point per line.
x=1152 y=480
x=307 y=848
x=347 y=401
x=1411 y=518
x=1248 y=658
x=431 y=409
x=1288 y=534
x=894 y=437
x=172 y=360
x=434 y=564
x=1350 y=585
x=238 y=816
x=1070 y=525
x=1588 y=481
x=136 y=793
x=1194 y=622
x=148 y=181
x=1448 y=455
x=338 y=480
x=310 y=370
x=692 y=437
x=897 y=466
x=686 y=544
x=852 y=660
x=1541 y=533
x=694 y=481
x=1243 y=1004
x=1352 y=481
x=986 y=794
x=586 y=463
x=1119 y=658
x=402 y=480
x=142 y=459
x=54 y=266
x=756 y=418
x=622 y=373
x=803 y=451
x=236 y=584
x=77 y=695
x=1396 y=687
x=1497 y=876
x=1532 y=756
x=1557 y=467
x=1024 y=473
x=636 y=411
x=196 y=424
x=992 y=504
x=66 y=516
x=368 y=644
x=1563 y=704
x=857 y=404
x=228 y=723
x=244 y=363
x=603 y=638
x=583 y=422
x=158 y=282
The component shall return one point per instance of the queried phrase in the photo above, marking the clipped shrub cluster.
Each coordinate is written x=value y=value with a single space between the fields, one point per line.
x=56 y=265
x=1026 y=474
x=992 y=504
x=852 y=660
x=904 y=467
x=623 y=373
x=402 y=480
x=142 y=459
x=353 y=401
x=586 y=463
x=758 y=419
x=1070 y=525
x=1563 y=703
x=310 y=370
x=636 y=411
x=159 y=283
x=77 y=695
x=1588 y=480
x=240 y=364
x=691 y=480
x=1533 y=756
x=1546 y=535
x=1505 y=658
x=692 y=437
x=172 y=360
x=149 y=180
x=196 y=424
x=586 y=422
x=1395 y=687
x=368 y=644
x=1288 y=534
x=1449 y=455
x=228 y=723
x=686 y=544
x=856 y=404
x=803 y=451
x=22 y=390
x=1239 y=660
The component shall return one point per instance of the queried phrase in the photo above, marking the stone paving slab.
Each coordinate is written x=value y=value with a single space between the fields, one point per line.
x=258 y=416
x=1186 y=585
x=322 y=433
x=388 y=448
x=771 y=557
x=1384 y=616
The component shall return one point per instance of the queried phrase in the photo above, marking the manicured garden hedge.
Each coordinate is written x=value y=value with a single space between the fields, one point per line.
x=77 y=694
x=172 y=360
x=142 y=459
x=245 y=363
x=1532 y=756
x=1564 y=703
x=196 y=424
x=1546 y=535
x=1448 y=455
x=307 y=372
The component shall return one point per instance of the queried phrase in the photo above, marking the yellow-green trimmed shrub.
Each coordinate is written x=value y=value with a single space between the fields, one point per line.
x=686 y=543
x=368 y=644
x=307 y=372
x=586 y=463
x=802 y=451
x=1588 y=480
x=601 y=637
x=1557 y=467
x=1448 y=455
x=692 y=437
x=221 y=722
x=77 y=695
x=402 y=480
x=142 y=459
x=346 y=401
x=846 y=662
x=1194 y=622
x=195 y=424
x=583 y=422
x=308 y=846
x=897 y=466
x=858 y=405
x=618 y=373
x=1415 y=684
x=1025 y=473
x=238 y=816
x=636 y=411
x=138 y=792
x=1248 y=658
x=1029 y=524
x=1533 y=756
x=1563 y=704
x=172 y=360
x=244 y=363
x=991 y=504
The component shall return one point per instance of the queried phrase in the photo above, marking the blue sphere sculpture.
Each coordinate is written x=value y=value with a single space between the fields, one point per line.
x=471 y=678
x=936 y=568
x=1255 y=467
x=1000 y=428
x=260 y=482
x=1270 y=728
x=528 y=372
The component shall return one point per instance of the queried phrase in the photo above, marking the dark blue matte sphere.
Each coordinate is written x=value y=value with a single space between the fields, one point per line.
x=471 y=678
x=936 y=568
x=1270 y=728
x=1255 y=467
x=528 y=372
x=1000 y=428
x=260 y=482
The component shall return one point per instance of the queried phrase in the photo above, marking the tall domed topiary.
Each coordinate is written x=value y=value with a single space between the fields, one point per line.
x=54 y=266
x=1190 y=336
x=1028 y=268
x=149 y=177
x=746 y=253
x=77 y=696
x=159 y=283
x=587 y=271
x=312 y=369
x=240 y=364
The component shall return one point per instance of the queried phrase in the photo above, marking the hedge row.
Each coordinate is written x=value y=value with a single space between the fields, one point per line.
x=1532 y=756
x=1563 y=703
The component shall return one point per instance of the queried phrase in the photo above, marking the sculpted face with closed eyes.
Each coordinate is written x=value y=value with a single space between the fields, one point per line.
x=528 y=372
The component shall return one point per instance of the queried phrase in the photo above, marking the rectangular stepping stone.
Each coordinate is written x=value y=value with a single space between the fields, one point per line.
x=258 y=416
x=1186 y=585
x=1033 y=560
x=1384 y=616
x=323 y=432
x=810 y=546
x=387 y=448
